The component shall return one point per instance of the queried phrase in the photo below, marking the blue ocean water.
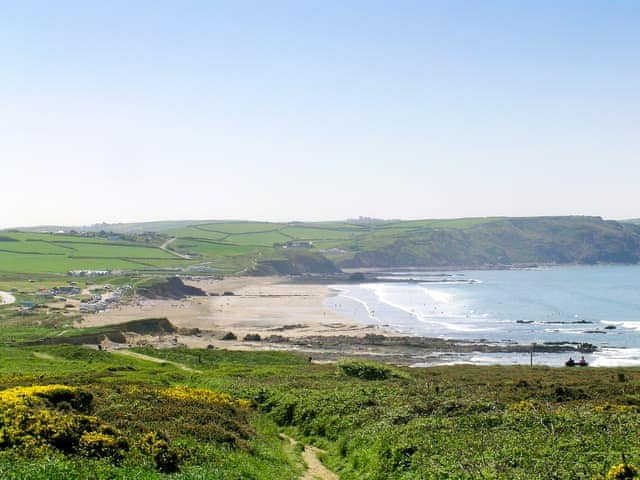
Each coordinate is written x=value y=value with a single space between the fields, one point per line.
x=593 y=304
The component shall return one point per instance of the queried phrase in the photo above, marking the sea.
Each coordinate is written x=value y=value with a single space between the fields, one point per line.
x=599 y=305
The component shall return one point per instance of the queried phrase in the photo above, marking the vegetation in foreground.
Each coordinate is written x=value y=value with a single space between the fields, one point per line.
x=73 y=412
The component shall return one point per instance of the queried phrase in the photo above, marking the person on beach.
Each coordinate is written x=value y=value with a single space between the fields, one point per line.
x=570 y=363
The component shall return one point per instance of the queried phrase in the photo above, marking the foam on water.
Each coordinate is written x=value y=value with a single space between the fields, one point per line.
x=437 y=318
x=438 y=296
x=616 y=357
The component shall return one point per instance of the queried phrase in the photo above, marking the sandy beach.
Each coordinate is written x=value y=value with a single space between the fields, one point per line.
x=286 y=316
x=259 y=305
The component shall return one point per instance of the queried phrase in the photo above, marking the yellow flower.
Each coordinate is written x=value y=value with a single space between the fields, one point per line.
x=623 y=471
x=522 y=406
x=612 y=408
x=203 y=395
x=24 y=395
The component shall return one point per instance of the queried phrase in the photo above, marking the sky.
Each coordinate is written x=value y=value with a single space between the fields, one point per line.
x=122 y=111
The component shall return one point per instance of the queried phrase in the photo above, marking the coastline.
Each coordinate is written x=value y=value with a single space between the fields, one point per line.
x=243 y=305
x=276 y=313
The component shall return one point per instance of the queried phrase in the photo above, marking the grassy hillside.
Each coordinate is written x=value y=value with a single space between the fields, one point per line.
x=322 y=247
x=421 y=243
x=22 y=252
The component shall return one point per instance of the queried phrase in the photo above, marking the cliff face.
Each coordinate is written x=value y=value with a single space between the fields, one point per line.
x=173 y=288
x=561 y=240
x=295 y=263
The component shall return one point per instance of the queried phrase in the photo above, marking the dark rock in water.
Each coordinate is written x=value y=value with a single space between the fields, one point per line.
x=229 y=336
x=251 y=337
x=524 y=321
x=173 y=288
x=228 y=294
x=276 y=339
x=574 y=322
x=594 y=331
x=610 y=327
x=357 y=277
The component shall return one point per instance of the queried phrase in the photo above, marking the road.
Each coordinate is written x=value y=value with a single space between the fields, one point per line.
x=165 y=247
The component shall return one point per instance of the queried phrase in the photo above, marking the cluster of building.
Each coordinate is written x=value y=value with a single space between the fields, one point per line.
x=64 y=291
x=89 y=273
x=295 y=244
x=100 y=302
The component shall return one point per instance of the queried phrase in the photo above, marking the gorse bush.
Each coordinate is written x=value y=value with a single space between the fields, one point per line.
x=42 y=419
x=156 y=445
x=623 y=471
x=366 y=370
x=203 y=395
x=30 y=421
x=98 y=444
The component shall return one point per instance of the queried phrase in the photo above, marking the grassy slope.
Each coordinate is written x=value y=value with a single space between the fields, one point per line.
x=447 y=422
x=49 y=253
x=429 y=243
x=241 y=247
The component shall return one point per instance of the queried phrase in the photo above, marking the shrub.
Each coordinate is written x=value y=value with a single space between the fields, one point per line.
x=156 y=445
x=45 y=416
x=364 y=369
x=623 y=471
x=100 y=444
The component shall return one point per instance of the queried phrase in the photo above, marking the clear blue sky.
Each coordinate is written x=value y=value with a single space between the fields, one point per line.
x=140 y=110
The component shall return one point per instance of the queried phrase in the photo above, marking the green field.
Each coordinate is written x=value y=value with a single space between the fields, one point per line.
x=51 y=253
x=239 y=247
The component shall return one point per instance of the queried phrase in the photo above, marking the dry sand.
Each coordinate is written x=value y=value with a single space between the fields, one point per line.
x=262 y=305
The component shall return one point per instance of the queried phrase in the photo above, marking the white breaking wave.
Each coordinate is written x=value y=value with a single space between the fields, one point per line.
x=370 y=312
x=428 y=319
x=438 y=296
x=616 y=357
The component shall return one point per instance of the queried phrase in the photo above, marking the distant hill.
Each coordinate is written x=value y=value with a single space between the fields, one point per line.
x=508 y=241
x=121 y=228
x=241 y=247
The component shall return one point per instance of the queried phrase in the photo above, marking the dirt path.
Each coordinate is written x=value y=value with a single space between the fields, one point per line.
x=315 y=469
x=149 y=358
x=165 y=247
x=44 y=356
